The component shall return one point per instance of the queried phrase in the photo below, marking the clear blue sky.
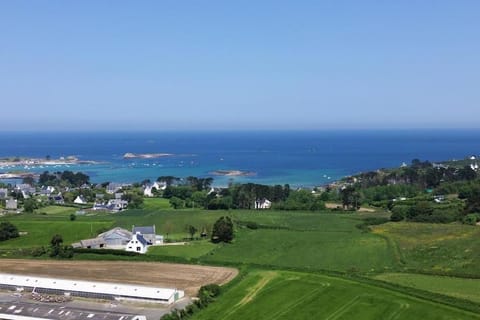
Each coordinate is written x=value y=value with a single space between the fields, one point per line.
x=155 y=65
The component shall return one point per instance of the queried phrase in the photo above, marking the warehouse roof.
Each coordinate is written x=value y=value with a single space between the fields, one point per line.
x=117 y=290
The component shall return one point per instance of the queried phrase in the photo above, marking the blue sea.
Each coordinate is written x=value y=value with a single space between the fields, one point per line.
x=300 y=158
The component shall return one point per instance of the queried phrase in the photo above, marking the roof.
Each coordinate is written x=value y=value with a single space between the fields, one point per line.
x=141 y=239
x=117 y=230
x=144 y=230
x=121 y=290
x=92 y=242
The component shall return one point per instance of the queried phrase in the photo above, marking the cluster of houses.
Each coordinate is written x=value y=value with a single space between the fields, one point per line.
x=137 y=240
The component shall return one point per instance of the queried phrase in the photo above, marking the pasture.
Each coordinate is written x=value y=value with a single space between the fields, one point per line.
x=296 y=295
x=468 y=289
x=450 y=249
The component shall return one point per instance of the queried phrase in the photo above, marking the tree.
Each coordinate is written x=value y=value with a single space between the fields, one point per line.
x=191 y=230
x=176 y=203
x=168 y=227
x=73 y=217
x=56 y=245
x=8 y=231
x=222 y=230
x=30 y=205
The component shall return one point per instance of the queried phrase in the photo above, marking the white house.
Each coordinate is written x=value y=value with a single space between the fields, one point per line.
x=263 y=204
x=137 y=244
x=148 y=191
x=148 y=232
x=80 y=200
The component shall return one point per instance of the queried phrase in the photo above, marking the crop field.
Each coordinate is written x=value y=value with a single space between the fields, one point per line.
x=295 y=295
x=468 y=289
x=168 y=275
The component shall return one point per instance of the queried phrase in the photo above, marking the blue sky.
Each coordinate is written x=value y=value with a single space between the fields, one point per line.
x=176 y=65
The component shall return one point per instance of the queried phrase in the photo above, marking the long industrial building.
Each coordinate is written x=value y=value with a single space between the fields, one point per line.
x=88 y=289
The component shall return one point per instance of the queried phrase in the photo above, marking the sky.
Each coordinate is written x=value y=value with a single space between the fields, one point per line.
x=239 y=65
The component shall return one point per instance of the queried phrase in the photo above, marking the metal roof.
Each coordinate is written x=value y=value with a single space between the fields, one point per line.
x=114 y=289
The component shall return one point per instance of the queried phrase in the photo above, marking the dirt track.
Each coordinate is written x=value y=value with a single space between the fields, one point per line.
x=185 y=277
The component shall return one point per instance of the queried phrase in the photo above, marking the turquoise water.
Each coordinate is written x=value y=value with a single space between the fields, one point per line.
x=298 y=158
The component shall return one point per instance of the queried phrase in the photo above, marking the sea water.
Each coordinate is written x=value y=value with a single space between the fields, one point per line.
x=299 y=158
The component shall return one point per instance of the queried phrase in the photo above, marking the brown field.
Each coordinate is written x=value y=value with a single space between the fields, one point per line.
x=181 y=276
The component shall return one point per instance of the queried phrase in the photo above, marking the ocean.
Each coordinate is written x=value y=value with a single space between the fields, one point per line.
x=300 y=158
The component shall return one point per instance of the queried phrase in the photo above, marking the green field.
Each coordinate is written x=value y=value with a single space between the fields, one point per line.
x=308 y=244
x=452 y=249
x=468 y=289
x=295 y=295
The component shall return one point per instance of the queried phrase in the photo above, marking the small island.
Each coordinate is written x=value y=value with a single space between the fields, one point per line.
x=233 y=173
x=130 y=155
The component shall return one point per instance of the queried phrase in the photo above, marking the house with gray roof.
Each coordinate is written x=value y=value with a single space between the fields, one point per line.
x=148 y=232
x=137 y=244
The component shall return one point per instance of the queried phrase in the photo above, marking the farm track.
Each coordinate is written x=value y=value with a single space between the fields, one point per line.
x=185 y=277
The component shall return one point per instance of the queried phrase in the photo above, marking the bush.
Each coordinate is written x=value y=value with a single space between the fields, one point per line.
x=8 y=231
x=471 y=219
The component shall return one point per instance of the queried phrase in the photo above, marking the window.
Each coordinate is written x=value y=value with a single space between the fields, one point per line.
x=139 y=248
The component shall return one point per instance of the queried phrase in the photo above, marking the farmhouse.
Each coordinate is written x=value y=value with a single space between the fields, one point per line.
x=89 y=289
x=148 y=232
x=137 y=244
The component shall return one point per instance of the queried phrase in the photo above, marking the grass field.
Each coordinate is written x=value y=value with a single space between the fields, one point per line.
x=339 y=250
x=295 y=295
x=297 y=241
x=441 y=248
x=468 y=289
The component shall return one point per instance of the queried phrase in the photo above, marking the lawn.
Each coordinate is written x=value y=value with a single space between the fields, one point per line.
x=468 y=289
x=295 y=295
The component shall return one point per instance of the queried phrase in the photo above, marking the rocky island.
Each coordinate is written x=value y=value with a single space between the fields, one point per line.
x=130 y=155
x=233 y=173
